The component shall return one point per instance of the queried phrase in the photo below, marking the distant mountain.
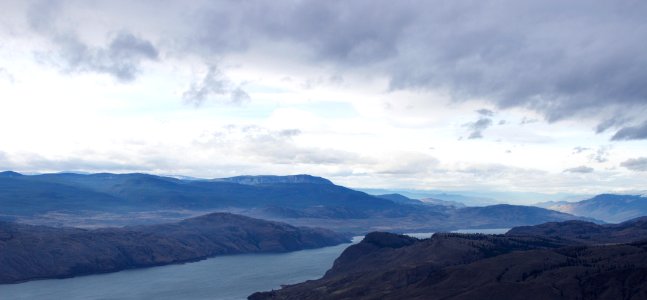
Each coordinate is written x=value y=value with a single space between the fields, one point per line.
x=443 y=202
x=10 y=174
x=267 y=179
x=33 y=252
x=104 y=199
x=475 y=266
x=502 y=215
x=587 y=232
x=606 y=207
x=397 y=198
x=465 y=200
x=119 y=192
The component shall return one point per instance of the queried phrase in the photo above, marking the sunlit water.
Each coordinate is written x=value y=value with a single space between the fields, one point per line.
x=223 y=277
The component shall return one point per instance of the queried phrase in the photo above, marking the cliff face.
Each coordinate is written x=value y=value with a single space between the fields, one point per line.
x=468 y=266
x=32 y=252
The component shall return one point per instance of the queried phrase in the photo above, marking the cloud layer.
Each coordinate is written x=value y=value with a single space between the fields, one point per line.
x=563 y=60
x=636 y=164
x=547 y=95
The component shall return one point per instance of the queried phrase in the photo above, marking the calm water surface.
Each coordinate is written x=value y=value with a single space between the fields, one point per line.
x=223 y=277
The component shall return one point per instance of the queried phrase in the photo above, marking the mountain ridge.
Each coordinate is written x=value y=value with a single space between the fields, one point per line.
x=30 y=252
x=106 y=199
x=274 y=179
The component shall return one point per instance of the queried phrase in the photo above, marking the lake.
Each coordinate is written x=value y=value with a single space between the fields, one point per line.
x=231 y=277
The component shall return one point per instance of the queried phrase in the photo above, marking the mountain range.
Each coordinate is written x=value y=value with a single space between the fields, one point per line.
x=607 y=207
x=105 y=199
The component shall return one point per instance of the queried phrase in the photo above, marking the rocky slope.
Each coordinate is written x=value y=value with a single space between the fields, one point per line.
x=31 y=252
x=469 y=266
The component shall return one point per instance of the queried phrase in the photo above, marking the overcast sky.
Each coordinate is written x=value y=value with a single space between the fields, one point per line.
x=524 y=96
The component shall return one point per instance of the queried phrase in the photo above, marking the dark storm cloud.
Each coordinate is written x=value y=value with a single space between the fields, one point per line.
x=635 y=164
x=562 y=59
x=615 y=121
x=349 y=33
x=215 y=85
x=631 y=133
x=580 y=169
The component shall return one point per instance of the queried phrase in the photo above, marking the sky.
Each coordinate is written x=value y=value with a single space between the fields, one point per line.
x=514 y=96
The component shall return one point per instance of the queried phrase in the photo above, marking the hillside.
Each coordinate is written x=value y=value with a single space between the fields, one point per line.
x=475 y=266
x=104 y=199
x=33 y=252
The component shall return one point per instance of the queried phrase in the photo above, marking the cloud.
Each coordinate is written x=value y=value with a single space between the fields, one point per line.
x=580 y=169
x=274 y=146
x=120 y=58
x=407 y=164
x=579 y=149
x=289 y=132
x=635 y=164
x=601 y=155
x=478 y=127
x=496 y=173
x=631 y=133
x=527 y=120
x=563 y=60
x=485 y=112
x=6 y=75
x=609 y=123
x=264 y=147
x=4 y=160
x=214 y=85
x=35 y=162
x=42 y=15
